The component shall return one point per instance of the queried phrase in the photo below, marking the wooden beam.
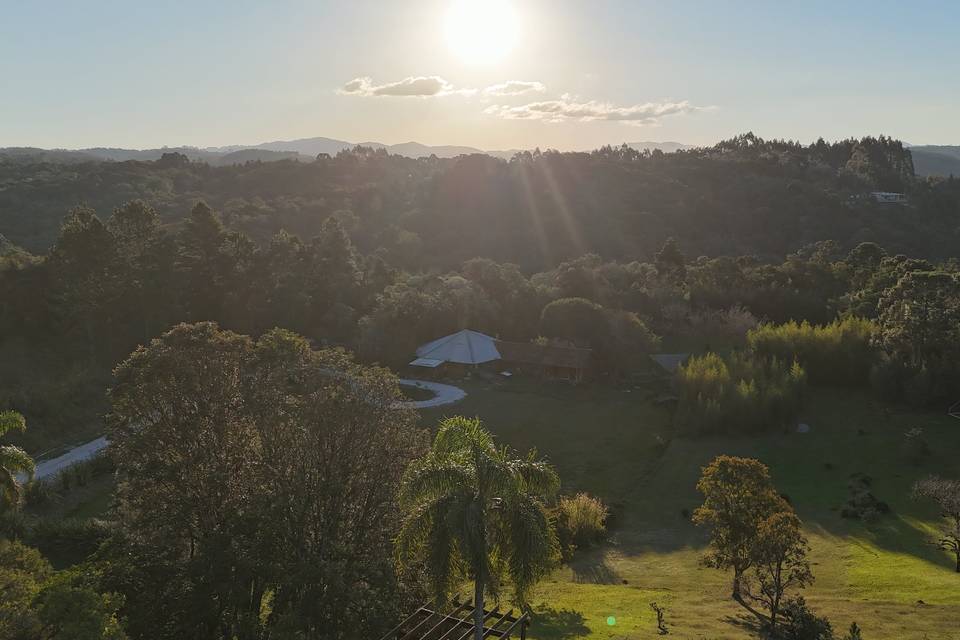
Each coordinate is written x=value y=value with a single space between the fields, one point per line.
x=487 y=615
x=397 y=628
x=492 y=628
x=409 y=635
x=524 y=620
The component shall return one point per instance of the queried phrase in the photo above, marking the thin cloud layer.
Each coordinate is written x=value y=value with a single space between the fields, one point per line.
x=569 y=109
x=411 y=87
x=515 y=88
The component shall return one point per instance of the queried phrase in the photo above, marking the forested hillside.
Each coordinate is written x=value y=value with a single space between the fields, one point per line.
x=192 y=313
x=742 y=196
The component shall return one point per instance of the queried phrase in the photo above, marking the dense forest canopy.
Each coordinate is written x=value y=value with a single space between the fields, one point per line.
x=743 y=196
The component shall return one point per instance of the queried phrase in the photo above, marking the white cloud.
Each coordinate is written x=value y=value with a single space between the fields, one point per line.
x=569 y=108
x=414 y=86
x=515 y=88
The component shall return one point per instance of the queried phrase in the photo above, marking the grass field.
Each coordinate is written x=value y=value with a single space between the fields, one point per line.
x=885 y=576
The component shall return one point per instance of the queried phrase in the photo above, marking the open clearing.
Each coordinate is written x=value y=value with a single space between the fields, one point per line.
x=885 y=575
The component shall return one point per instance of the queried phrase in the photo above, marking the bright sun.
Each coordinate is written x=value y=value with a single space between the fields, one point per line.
x=481 y=31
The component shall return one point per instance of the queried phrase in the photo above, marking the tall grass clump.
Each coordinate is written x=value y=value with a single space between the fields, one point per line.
x=581 y=522
x=743 y=393
x=838 y=353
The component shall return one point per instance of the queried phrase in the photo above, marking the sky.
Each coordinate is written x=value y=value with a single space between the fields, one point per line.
x=494 y=74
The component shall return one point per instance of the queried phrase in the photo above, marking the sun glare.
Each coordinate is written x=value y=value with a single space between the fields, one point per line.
x=481 y=31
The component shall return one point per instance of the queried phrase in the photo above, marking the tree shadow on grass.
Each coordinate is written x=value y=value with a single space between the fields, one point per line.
x=744 y=621
x=557 y=624
x=592 y=568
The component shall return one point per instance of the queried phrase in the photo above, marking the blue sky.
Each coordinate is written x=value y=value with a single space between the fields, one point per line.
x=97 y=73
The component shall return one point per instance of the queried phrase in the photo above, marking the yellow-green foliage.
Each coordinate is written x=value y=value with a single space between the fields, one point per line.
x=837 y=353
x=743 y=393
x=581 y=521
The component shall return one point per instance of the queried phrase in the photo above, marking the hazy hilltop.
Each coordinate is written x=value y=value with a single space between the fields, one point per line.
x=666 y=147
x=936 y=160
x=302 y=149
x=742 y=196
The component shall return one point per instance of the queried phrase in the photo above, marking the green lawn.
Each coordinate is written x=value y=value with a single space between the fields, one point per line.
x=885 y=576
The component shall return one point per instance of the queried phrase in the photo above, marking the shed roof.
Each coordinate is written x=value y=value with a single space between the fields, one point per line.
x=463 y=347
x=670 y=362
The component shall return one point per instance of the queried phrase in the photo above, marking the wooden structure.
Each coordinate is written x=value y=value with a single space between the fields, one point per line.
x=427 y=623
x=546 y=360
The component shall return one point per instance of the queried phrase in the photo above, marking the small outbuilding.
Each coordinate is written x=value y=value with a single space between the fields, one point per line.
x=557 y=362
x=670 y=362
x=463 y=348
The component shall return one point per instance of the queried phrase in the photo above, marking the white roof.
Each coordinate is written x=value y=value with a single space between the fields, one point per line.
x=464 y=347
x=426 y=362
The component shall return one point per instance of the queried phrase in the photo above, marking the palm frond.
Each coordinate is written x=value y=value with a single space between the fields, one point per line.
x=16 y=460
x=538 y=477
x=10 y=490
x=418 y=525
x=531 y=541
x=11 y=421
x=461 y=435
x=431 y=478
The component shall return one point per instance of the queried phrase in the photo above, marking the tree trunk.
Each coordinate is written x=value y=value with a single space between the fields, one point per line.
x=774 y=610
x=478 y=607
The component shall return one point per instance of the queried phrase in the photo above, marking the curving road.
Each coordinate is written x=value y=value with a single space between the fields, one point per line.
x=445 y=393
x=53 y=466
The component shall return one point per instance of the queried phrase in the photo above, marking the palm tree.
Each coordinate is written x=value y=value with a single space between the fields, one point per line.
x=13 y=460
x=472 y=510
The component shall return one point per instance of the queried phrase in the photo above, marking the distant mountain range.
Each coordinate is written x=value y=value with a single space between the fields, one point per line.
x=305 y=149
x=936 y=160
x=928 y=160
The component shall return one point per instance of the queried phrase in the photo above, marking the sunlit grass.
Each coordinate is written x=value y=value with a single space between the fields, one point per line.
x=884 y=575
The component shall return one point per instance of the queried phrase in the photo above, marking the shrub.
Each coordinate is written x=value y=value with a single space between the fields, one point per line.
x=38 y=493
x=800 y=623
x=581 y=522
x=742 y=393
x=730 y=326
x=838 y=353
x=69 y=540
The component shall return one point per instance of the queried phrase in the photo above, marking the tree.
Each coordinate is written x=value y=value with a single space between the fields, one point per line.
x=203 y=263
x=257 y=488
x=69 y=607
x=920 y=332
x=472 y=508
x=946 y=494
x=23 y=571
x=13 y=461
x=144 y=258
x=779 y=564
x=577 y=319
x=670 y=260
x=83 y=287
x=38 y=604
x=738 y=497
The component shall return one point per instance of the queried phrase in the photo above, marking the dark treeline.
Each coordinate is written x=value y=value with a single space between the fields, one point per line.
x=743 y=196
x=108 y=285
x=381 y=253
